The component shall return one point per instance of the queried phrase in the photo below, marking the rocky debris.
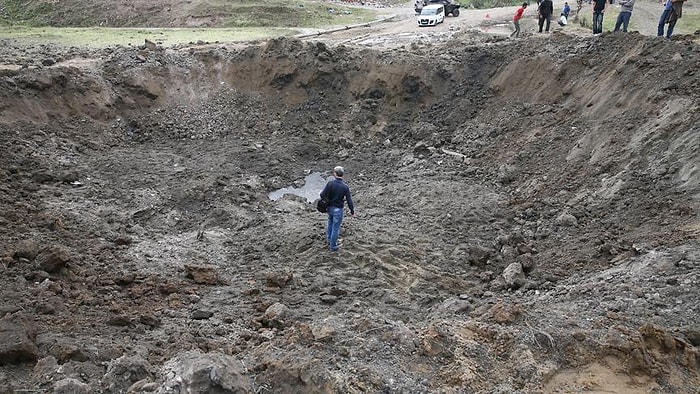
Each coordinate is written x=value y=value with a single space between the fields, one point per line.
x=17 y=341
x=514 y=275
x=71 y=386
x=53 y=258
x=278 y=279
x=125 y=371
x=566 y=219
x=276 y=315
x=195 y=372
x=46 y=367
x=200 y=314
x=203 y=274
x=26 y=250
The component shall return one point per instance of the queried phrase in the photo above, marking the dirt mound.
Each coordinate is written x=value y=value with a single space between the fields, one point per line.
x=527 y=221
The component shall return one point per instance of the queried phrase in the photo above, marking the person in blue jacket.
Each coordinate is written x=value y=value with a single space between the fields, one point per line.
x=336 y=192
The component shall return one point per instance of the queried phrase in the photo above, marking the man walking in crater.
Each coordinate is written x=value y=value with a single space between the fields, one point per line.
x=336 y=192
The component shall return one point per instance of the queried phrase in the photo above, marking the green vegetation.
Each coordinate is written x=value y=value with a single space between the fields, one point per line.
x=14 y=10
x=488 y=3
x=206 y=13
x=97 y=37
x=688 y=24
x=101 y=23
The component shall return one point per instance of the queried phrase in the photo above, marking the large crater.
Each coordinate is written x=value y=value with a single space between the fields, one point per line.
x=526 y=221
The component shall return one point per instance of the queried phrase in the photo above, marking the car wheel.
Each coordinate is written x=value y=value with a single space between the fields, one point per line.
x=455 y=12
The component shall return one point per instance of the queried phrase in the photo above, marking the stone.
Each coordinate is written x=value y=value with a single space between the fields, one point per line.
x=276 y=311
x=203 y=274
x=478 y=255
x=201 y=314
x=450 y=306
x=71 y=386
x=43 y=177
x=326 y=328
x=693 y=335
x=123 y=240
x=142 y=386
x=46 y=367
x=17 y=341
x=195 y=372
x=503 y=313
x=26 y=249
x=69 y=177
x=123 y=372
x=566 y=219
x=328 y=299
x=278 y=279
x=53 y=258
x=119 y=321
x=150 y=320
x=64 y=350
x=514 y=276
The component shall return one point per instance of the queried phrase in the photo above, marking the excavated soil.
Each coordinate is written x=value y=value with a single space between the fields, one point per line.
x=527 y=217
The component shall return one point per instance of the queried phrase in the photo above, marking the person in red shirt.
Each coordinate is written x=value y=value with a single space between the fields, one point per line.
x=516 y=20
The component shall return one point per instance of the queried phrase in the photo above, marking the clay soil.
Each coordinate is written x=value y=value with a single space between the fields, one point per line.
x=527 y=215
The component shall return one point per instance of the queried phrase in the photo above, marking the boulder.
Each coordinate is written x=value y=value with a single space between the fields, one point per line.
x=203 y=274
x=27 y=250
x=71 y=386
x=123 y=372
x=567 y=220
x=514 y=275
x=17 y=341
x=195 y=372
x=53 y=258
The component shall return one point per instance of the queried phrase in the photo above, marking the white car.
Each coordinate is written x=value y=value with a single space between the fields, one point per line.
x=431 y=15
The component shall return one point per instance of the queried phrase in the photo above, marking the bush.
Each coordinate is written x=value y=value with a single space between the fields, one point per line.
x=584 y=20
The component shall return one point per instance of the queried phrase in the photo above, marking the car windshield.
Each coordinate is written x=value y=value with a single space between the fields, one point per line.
x=429 y=11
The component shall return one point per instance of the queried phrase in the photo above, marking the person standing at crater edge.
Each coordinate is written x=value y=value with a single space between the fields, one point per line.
x=599 y=7
x=336 y=192
x=516 y=20
x=673 y=10
x=545 y=11
x=623 y=18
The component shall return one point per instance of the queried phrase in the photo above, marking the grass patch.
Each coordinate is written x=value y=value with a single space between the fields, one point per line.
x=688 y=24
x=204 y=13
x=98 y=37
x=99 y=23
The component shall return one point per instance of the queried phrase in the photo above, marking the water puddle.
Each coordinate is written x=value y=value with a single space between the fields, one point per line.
x=313 y=184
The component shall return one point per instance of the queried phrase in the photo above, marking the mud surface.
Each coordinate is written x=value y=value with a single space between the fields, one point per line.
x=527 y=217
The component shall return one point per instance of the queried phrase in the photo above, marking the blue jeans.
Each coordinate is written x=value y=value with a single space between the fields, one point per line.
x=623 y=19
x=662 y=22
x=597 y=22
x=335 y=218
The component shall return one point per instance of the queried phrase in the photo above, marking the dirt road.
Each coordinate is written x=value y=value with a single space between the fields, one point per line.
x=403 y=29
